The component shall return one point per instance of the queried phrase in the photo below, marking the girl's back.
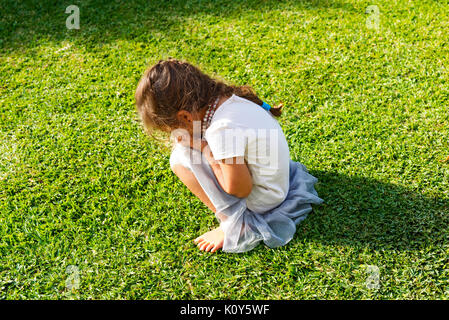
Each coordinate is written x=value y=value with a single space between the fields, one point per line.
x=241 y=128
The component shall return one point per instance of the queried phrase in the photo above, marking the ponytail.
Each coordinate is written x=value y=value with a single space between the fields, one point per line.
x=248 y=93
x=277 y=111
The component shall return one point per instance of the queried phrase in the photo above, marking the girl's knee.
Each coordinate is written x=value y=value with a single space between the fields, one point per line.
x=179 y=157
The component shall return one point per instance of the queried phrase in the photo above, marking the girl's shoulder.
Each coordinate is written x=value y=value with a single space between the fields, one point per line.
x=240 y=112
x=234 y=99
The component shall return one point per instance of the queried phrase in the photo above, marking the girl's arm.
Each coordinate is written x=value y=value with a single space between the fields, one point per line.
x=233 y=176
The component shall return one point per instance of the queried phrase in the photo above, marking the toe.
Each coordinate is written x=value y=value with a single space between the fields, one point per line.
x=198 y=240
x=210 y=246
x=200 y=245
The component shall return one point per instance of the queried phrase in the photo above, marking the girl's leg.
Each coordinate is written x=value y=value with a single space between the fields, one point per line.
x=212 y=240
x=188 y=178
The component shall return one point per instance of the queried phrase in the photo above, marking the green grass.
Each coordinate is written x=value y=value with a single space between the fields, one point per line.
x=81 y=184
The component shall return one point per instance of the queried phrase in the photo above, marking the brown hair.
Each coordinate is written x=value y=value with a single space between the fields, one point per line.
x=171 y=85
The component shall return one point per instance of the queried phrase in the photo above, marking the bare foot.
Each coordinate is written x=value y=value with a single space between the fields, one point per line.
x=211 y=241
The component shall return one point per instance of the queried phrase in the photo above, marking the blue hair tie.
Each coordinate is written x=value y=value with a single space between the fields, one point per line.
x=266 y=106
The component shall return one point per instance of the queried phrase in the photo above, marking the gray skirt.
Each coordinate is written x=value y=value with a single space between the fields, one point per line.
x=243 y=228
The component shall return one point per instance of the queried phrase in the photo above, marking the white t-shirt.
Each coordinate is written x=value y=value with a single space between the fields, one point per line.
x=241 y=128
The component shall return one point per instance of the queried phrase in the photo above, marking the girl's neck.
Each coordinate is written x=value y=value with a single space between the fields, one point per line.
x=209 y=114
x=203 y=111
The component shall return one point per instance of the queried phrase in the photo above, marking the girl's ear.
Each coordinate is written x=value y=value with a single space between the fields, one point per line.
x=185 y=117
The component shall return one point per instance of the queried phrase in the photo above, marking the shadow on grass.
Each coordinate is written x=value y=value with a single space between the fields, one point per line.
x=364 y=212
x=24 y=23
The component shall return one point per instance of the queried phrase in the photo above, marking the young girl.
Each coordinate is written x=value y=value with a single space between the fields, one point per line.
x=231 y=153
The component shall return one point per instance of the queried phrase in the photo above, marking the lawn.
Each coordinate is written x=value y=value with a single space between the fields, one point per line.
x=86 y=195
